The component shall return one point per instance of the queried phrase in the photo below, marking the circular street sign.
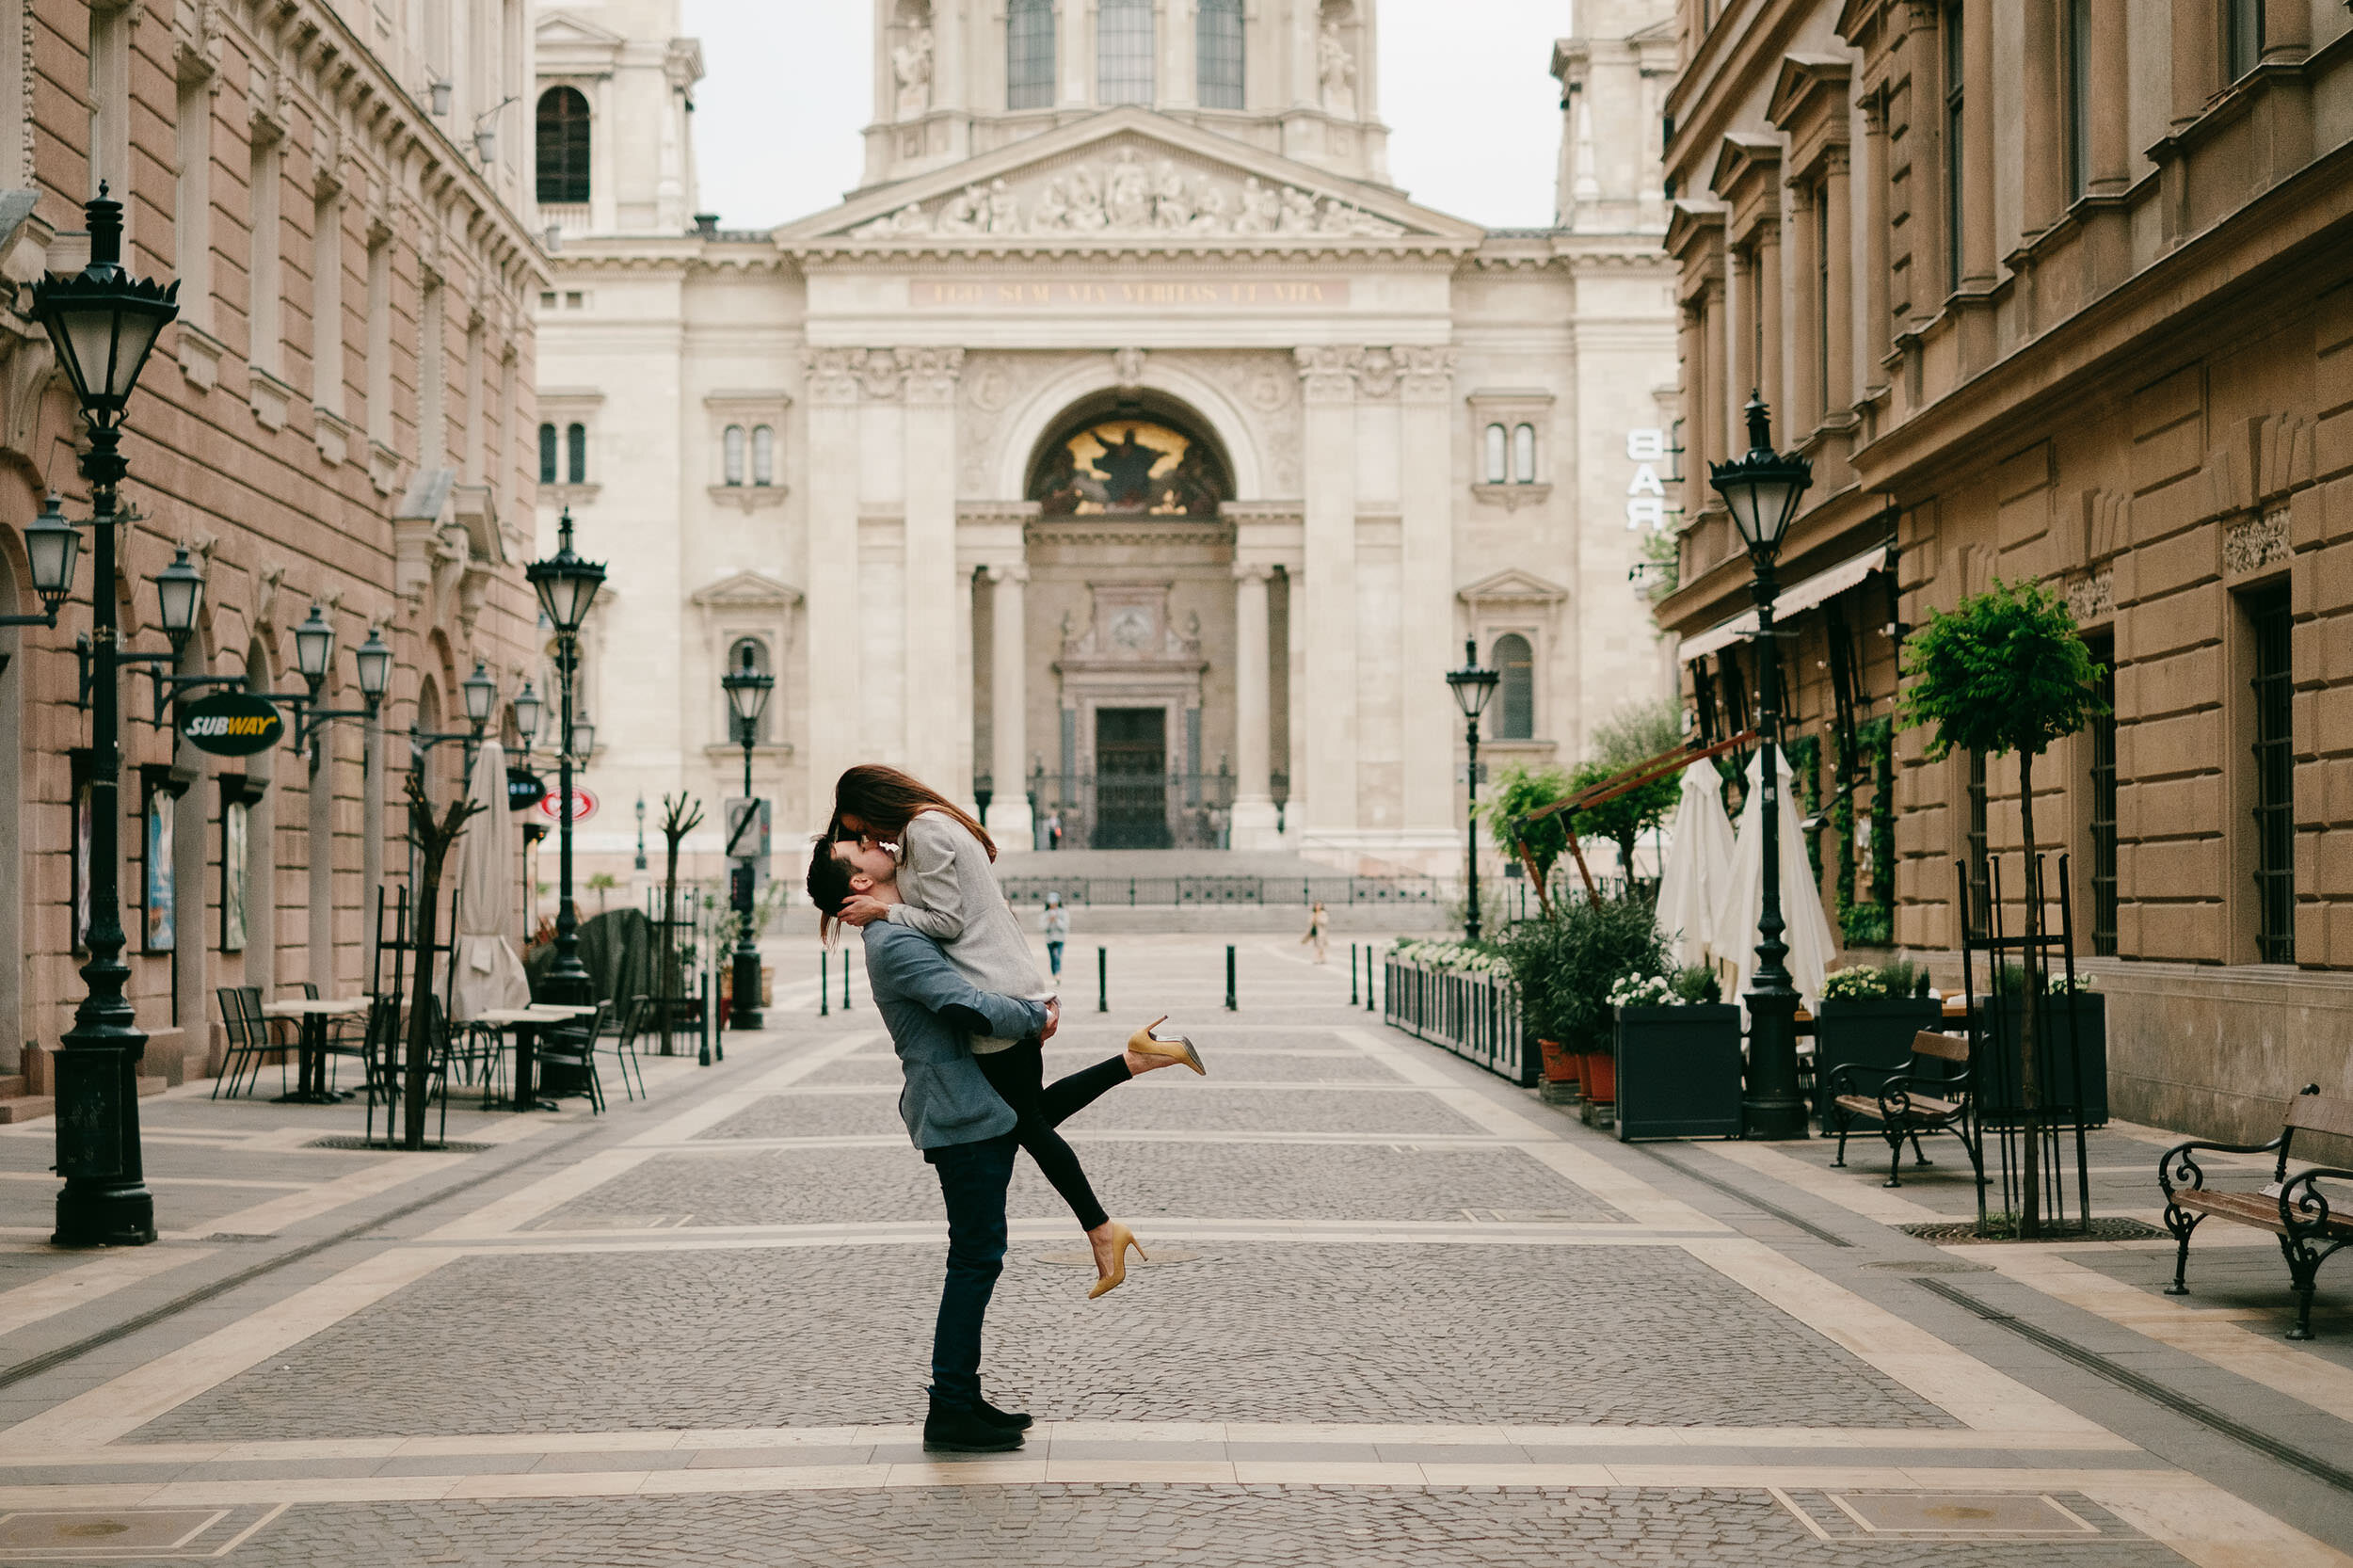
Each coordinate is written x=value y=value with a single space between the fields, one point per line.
x=231 y=724
x=552 y=805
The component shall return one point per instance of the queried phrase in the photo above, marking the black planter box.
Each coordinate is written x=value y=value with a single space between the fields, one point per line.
x=1678 y=1072
x=1998 y=1072
x=1867 y=1031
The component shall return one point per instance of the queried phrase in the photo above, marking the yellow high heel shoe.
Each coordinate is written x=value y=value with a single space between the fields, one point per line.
x=1122 y=1238
x=1145 y=1043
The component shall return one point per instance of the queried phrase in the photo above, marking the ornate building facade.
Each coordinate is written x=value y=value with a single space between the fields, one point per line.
x=2059 y=292
x=1127 y=451
x=341 y=419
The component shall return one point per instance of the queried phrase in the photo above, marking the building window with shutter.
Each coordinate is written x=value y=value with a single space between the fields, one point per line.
x=2104 y=901
x=731 y=449
x=562 y=147
x=1123 y=52
x=575 y=455
x=1498 y=466
x=1030 y=55
x=1218 y=47
x=1517 y=695
x=1524 y=454
x=2274 y=764
x=764 y=455
x=547 y=455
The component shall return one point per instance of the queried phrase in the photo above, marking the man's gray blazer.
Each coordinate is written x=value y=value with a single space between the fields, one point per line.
x=932 y=1012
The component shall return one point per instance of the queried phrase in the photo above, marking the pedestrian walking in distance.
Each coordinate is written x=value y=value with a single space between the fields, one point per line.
x=1055 y=922
x=1318 y=932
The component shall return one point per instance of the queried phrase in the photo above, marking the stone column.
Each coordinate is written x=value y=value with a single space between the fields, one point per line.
x=1324 y=799
x=831 y=571
x=1254 y=714
x=1430 y=645
x=1978 y=269
x=1008 y=706
x=936 y=707
x=1772 y=290
x=2110 y=171
x=1742 y=372
x=1799 y=406
x=1837 y=191
x=1877 y=328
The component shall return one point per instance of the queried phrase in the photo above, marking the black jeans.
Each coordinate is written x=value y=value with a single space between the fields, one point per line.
x=1018 y=1075
x=973 y=1180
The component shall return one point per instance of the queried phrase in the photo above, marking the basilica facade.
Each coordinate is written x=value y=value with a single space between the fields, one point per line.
x=1128 y=456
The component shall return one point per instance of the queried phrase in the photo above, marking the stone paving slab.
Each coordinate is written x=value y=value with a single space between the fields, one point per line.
x=1249 y=1331
x=1228 y=1067
x=1203 y=1108
x=1050 y=1525
x=1240 y=1181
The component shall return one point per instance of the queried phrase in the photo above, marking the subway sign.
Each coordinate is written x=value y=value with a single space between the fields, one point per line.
x=231 y=724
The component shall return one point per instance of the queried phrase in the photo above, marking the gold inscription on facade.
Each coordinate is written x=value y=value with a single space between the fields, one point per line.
x=1147 y=294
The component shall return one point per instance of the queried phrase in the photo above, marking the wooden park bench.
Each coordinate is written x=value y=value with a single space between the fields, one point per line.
x=2295 y=1210
x=1912 y=1100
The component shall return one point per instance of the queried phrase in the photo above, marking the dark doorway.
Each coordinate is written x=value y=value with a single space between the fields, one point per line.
x=1130 y=779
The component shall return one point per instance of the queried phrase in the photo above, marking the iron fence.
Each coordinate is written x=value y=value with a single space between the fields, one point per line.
x=1207 y=891
x=1476 y=1016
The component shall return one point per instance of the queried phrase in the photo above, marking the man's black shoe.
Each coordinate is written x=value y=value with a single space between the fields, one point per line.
x=1016 y=1420
x=967 y=1432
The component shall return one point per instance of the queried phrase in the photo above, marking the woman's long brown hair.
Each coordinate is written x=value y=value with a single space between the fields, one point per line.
x=886 y=800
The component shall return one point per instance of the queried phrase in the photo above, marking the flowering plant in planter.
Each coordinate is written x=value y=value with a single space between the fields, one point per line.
x=1459 y=957
x=1861 y=981
x=1693 y=987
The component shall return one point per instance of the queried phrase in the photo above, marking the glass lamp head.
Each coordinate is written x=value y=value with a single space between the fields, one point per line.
x=566 y=585
x=180 y=594
x=52 y=545
x=102 y=321
x=375 y=659
x=1762 y=487
x=1473 y=684
x=747 y=687
x=583 y=740
x=314 y=648
x=482 y=695
x=527 y=707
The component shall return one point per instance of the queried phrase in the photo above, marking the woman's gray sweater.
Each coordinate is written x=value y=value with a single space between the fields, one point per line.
x=951 y=895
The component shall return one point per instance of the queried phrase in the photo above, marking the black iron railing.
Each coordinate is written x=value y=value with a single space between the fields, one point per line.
x=1160 y=891
x=1476 y=1016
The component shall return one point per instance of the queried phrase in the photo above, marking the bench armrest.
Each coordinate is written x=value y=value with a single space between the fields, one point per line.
x=1895 y=1093
x=1842 y=1076
x=2304 y=1209
x=2176 y=1166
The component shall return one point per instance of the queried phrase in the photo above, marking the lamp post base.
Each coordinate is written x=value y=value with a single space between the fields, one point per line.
x=743 y=1010
x=105 y=1214
x=1771 y=1107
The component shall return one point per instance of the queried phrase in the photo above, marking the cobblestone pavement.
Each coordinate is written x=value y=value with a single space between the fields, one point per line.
x=1400 y=1314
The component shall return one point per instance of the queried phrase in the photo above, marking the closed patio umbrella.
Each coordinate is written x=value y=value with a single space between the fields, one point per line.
x=490 y=974
x=1808 y=932
x=1699 y=865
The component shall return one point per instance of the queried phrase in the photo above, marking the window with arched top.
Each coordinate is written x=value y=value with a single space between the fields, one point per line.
x=764 y=455
x=548 y=467
x=575 y=455
x=1498 y=463
x=1516 y=699
x=731 y=454
x=757 y=649
x=1030 y=55
x=563 y=146
x=1524 y=454
x=1123 y=52
x=1217 y=54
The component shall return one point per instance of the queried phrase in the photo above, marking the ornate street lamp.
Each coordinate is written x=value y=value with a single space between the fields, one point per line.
x=747 y=687
x=375 y=659
x=566 y=586
x=179 y=597
x=1762 y=488
x=583 y=743
x=527 y=707
x=482 y=695
x=52 y=546
x=102 y=324
x=314 y=648
x=1473 y=686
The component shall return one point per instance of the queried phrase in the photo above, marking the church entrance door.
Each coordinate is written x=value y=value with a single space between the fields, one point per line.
x=1130 y=779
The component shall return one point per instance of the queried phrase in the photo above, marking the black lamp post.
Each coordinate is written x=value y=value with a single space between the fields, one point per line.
x=641 y=833
x=1473 y=686
x=566 y=586
x=747 y=687
x=1762 y=488
x=102 y=323
x=314 y=656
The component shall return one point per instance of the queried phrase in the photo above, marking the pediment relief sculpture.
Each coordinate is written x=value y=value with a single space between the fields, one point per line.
x=1126 y=195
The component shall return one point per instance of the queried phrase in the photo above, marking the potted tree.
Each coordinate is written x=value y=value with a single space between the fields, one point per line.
x=1520 y=791
x=1677 y=1057
x=1868 y=1018
x=2007 y=671
x=1565 y=968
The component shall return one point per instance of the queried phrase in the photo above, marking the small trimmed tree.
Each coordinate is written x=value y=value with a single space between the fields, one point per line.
x=433 y=837
x=2006 y=671
x=1520 y=790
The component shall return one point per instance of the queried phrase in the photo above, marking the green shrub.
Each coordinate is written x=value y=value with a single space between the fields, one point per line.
x=1565 y=968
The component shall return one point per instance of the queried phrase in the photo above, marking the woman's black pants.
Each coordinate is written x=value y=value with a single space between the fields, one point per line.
x=1018 y=1075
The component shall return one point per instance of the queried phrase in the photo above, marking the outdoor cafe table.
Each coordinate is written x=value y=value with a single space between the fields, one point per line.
x=310 y=1079
x=524 y=1023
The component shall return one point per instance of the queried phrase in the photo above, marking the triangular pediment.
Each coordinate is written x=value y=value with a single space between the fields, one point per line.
x=1512 y=584
x=746 y=590
x=566 y=40
x=1127 y=176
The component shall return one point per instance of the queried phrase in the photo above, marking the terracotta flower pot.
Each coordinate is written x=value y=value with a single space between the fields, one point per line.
x=1559 y=1062
x=1599 y=1071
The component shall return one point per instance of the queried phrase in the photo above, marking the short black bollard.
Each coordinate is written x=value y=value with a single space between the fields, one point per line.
x=845 y=982
x=1231 y=1005
x=1352 y=974
x=1368 y=1006
x=824 y=984
x=1103 y=981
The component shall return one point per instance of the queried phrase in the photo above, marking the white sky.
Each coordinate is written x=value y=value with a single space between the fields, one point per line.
x=1474 y=117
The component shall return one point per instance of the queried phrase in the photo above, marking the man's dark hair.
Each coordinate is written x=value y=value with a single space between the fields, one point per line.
x=828 y=882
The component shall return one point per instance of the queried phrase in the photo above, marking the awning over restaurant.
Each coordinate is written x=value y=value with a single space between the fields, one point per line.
x=1823 y=586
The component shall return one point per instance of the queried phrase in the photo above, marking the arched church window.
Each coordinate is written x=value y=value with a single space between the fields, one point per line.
x=575 y=455
x=547 y=455
x=1218 y=47
x=1030 y=55
x=563 y=129
x=1513 y=657
x=1524 y=454
x=752 y=652
x=764 y=455
x=731 y=446
x=1498 y=470
x=1133 y=467
x=1123 y=52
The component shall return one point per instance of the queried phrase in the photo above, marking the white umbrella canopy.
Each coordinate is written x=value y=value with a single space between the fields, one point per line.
x=489 y=975
x=1699 y=865
x=1742 y=900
